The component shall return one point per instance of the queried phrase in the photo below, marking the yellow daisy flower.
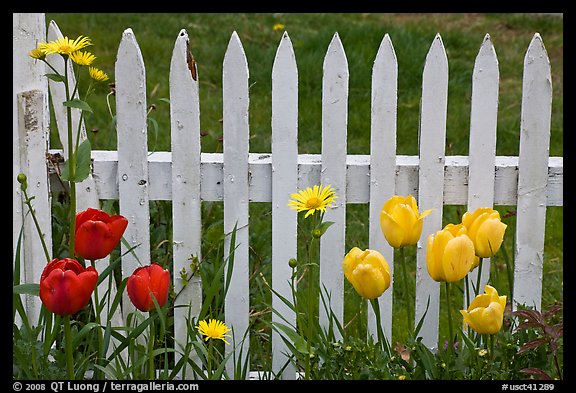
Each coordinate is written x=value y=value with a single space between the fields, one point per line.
x=278 y=26
x=82 y=58
x=97 y=74
x=213 y=329
x=312 y=199
x=66 y=46
x=39 y=52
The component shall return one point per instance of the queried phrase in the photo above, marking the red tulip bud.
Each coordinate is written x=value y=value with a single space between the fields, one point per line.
x=145 y=282
x=66 y=286
x=97 y=233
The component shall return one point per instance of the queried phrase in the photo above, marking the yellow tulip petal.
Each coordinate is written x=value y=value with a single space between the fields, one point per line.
x=458 y=257
x=368 y=281
x=489 y=237
x=392 y=231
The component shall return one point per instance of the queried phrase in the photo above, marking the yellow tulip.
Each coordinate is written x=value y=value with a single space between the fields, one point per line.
x=486 y=312
x=449 y=254
x=367 y=271
x=485 y=229
x=400 y=221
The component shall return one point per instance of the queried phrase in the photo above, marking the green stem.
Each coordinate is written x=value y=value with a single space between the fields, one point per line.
x=310 y=296
x=71 y=165
x=209 y=365
x=68 y=347
x=449 y=305
x=98 y=321
x=477 y=289
x=28 y=203
x=151 y=370
x=406 y=293
x=381 y=338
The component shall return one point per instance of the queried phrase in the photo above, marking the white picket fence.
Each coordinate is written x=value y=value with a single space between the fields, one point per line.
x=186 y=176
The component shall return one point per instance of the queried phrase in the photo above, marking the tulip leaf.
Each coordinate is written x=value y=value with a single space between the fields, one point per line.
x=78 y=104
x=27 y=289
x=299 y=343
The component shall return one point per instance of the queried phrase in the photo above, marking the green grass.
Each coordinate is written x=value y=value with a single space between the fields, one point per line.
x=361 y=34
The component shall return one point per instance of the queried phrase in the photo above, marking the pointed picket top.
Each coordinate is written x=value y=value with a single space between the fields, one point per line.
x=486 y=60
x=386 y=52
x=335 y=55
x=182 y=57
x=235 y=53
x=537 y=56
x=436 y=54
x=128 y=44
x=284 y=54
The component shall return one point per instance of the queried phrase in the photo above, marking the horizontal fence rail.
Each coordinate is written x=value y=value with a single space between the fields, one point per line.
x=186 y=176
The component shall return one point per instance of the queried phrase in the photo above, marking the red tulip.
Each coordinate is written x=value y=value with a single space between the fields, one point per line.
x=147 y=281
x=97 y=233
x=66 y=286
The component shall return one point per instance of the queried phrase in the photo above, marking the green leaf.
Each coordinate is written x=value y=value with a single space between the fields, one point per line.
x=299 y=343
x=27 y=289
x=55 y=77
x=83 y=161
x=324 y=226
x=79 y=104
x=65 y=172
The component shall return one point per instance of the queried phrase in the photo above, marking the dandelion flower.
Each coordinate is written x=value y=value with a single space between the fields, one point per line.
x=65 y=46
x=278 y=26
x=97 y=74
x=82 y=58
x=312 y=199
x=213 y=329
x=39 y=52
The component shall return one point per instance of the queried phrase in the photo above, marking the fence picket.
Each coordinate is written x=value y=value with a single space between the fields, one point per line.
x=28 y=81
x=532 y=175
x=432 y=141
x=383 y=165
x=186 y=202
x=284 y=183
x=236 y=192
x=34 y=138
x=132 y=177
x=334 y=149
x=482 y=156
x=333 y=173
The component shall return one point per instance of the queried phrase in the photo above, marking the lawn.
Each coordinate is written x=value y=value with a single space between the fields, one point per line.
x=411 y=34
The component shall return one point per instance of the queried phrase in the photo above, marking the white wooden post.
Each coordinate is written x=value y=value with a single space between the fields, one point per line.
x=532 y=175
x=132 y=156
x=432 y=141
x=236 y=194
x=482 y=151
x=334 y=149
x=284 y=183
x=34 y=141
x=186 y=202
x=28 y=80
x=383 y=166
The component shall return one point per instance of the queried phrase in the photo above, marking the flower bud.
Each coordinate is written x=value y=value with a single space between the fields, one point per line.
x=367 y=271
x=293 y=262
x=317 y=233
